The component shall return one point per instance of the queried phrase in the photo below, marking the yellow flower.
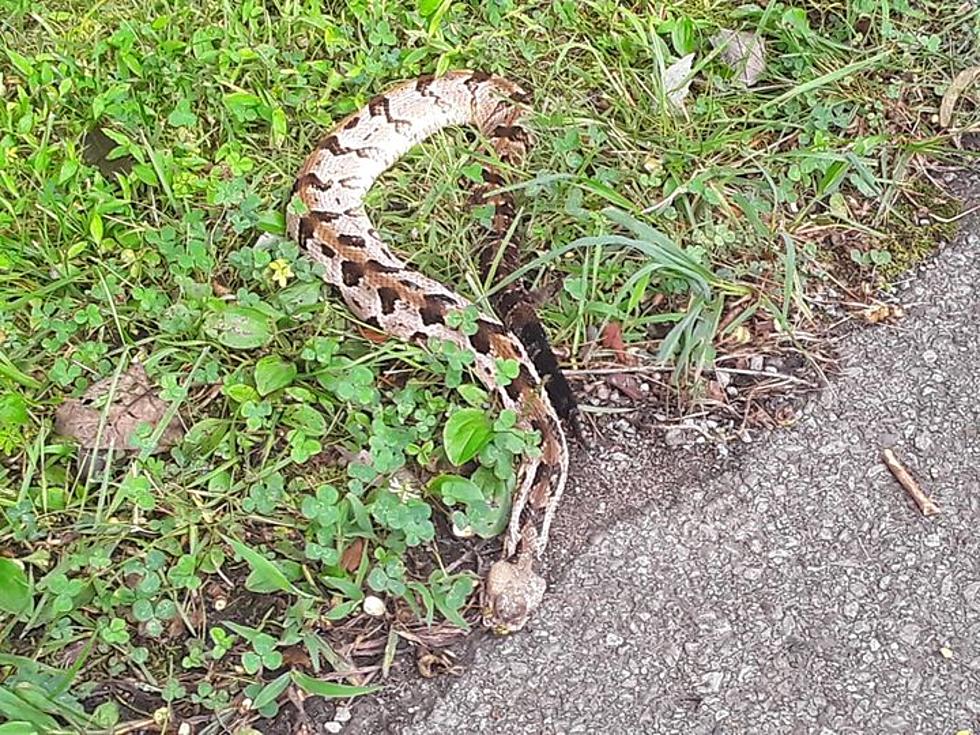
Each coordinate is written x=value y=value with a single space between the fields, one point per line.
x=280 y=272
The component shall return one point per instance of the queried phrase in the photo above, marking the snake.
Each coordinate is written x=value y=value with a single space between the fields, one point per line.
x=326 y=216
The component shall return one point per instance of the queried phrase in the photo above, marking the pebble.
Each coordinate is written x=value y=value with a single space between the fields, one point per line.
x=711 y=682
x=922 y=442
x=674 y=437
x=614 y=640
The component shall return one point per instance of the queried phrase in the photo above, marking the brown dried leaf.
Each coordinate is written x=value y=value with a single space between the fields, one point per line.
x=612 y=339
x=296 y=656
x=877 y=313
x=372 y=335
x=625 y=384
x=351 y=558
x=133 y=404
x=715 y=392
x=433 y=664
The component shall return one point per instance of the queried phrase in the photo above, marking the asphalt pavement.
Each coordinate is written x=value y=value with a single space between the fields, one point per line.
x=802 y=592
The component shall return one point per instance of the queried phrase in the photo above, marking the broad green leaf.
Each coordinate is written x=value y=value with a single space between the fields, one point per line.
x=273 y=373
x=345 y=586
x=15 y=589
x=472 y=394
x=305 y=418
x=18 y=728
x=271 y=691
x=21 y=63
x=329 y=689
x=265 y=576
x=13 y=410
x=240 y=100
x=683 y=37
x=68 y=169
x=278 y=126
x=205 y=436
x=465 y=434
x=455 y=489
x=239 y=327
x=18 y=710
x=182 y=116
x=341 y=611
x=95 y=227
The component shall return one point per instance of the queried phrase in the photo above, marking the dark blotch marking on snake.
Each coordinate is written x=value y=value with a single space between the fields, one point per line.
x=476 y=78
x=333 y=145
x=312 y=181
x=352 y=272
x=520 y=384
x=306 y=232
x=381 y=105
x=544 y=469
x=376 y=266
x=510 y=132
x=369 y=152
x=481 y=340
x=433 y=311
x=350 y=241
x=389 y=298
x=493 y=177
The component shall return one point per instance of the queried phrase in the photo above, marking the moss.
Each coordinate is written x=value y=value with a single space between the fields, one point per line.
x=910 y=242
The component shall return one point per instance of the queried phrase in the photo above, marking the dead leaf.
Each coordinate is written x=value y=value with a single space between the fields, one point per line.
x=961 y=82
x=372 y=335
x=134 y=403
x=716 y=393
x=351 y=558
x=296 y=656
x=785 y=416
x=677 y=82
x=626 y=384
x=877 y=313
x=612 y=339
x=433 y=664
x=744 y=52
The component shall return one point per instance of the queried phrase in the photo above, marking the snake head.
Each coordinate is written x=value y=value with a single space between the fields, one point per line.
x=511 y=594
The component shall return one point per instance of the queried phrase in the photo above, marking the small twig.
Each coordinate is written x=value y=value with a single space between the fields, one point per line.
x=906 y=480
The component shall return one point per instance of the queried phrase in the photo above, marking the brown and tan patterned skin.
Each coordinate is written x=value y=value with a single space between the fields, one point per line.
x=330 y=223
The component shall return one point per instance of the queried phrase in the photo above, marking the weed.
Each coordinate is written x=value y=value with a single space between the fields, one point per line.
x=144 y=149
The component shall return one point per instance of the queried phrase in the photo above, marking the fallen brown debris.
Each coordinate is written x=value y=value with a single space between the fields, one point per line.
x=904 y=477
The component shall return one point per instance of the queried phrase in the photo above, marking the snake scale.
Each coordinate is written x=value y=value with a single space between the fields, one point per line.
x=330 y=223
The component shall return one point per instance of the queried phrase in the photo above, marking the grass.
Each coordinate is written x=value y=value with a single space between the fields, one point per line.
x=145 y=146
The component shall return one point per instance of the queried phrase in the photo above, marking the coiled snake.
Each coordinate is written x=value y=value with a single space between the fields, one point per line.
x=330 y=224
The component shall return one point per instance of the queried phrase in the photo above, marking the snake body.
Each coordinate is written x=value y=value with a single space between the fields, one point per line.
x=328 y=220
